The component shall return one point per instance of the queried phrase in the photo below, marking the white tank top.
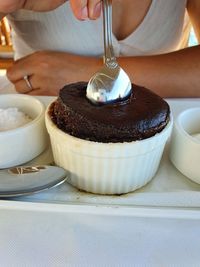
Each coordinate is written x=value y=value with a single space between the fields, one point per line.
x=160 y=31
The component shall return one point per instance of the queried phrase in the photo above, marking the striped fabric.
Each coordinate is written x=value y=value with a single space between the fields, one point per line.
x=160 y=31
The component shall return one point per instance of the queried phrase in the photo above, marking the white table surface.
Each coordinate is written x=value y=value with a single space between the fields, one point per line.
x=158 y=225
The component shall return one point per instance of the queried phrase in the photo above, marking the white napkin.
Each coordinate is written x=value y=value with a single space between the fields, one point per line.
x=79 y=236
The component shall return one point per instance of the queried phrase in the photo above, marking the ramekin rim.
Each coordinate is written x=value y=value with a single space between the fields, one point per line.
x=179 y=127
x=30 y=123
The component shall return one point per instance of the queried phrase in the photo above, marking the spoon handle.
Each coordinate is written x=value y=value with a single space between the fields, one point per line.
x=109 y=57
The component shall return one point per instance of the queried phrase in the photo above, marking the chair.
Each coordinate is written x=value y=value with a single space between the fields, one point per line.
x=6 y=50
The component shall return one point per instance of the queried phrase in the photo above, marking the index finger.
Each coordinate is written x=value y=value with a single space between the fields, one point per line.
x=19 y=69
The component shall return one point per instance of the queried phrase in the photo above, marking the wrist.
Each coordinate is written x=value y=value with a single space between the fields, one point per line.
x=91 y=66
x=82 y=67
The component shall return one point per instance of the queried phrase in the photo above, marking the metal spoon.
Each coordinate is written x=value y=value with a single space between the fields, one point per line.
x=110 y=83
x=24 y=180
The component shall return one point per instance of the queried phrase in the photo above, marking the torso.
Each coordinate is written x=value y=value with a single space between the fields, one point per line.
x=125 y=20
x=140 y=27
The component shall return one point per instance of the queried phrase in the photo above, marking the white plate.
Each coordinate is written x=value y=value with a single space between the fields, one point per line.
x=169 y=188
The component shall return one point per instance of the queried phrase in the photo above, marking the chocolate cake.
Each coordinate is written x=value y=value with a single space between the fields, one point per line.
x=140 y=116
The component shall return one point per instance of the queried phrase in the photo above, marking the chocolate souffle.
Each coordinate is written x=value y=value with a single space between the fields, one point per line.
x=140 y=116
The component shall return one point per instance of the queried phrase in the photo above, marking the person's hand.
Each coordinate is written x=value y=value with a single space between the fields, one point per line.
x=86 y=9
x=9 y=6
x=82 y=9
x=48 y=72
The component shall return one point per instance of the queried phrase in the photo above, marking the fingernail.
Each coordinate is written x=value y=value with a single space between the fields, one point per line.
x=97 y=11
x=84 y=13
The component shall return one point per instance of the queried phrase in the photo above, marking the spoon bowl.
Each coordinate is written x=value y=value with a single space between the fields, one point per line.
x=110 y=83
x=25 y=180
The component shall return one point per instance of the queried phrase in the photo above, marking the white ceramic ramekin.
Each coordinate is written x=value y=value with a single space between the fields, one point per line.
x=107 y=168
x=185 y=144
x=24 y=143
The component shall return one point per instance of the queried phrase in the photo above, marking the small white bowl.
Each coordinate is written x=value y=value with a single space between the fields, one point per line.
x=107 y=168
x=24 y=143
x=185 y=144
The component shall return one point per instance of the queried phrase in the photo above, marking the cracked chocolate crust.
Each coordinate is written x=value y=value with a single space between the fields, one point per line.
x=139 y=117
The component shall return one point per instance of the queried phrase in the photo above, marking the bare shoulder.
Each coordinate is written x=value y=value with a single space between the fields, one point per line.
x=195 y=3
x=193 y=8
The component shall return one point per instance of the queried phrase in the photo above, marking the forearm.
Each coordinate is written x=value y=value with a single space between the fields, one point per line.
x=170 y=75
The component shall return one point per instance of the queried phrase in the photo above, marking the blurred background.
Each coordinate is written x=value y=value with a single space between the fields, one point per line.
x=6 y=49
